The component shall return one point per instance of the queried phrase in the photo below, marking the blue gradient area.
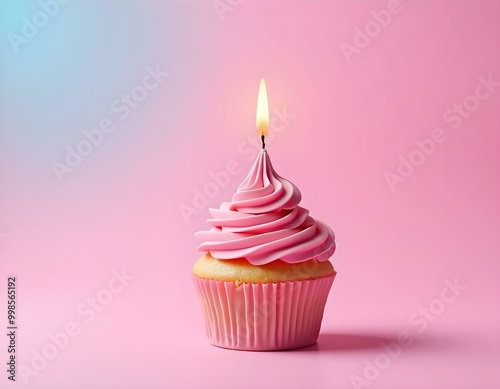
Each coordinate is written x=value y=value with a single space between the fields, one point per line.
x=65 y=77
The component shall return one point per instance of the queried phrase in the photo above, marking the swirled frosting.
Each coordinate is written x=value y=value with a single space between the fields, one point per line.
x=264 y=222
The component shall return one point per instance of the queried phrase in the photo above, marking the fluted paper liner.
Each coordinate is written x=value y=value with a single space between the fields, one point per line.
x=270 y=316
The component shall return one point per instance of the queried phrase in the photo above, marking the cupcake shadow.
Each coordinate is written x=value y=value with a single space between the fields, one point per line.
x=344 y=342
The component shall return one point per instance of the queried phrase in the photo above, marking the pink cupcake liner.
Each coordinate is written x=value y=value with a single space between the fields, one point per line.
x=271 y=316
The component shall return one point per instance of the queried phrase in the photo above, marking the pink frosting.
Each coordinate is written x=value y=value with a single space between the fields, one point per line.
x=264 y=223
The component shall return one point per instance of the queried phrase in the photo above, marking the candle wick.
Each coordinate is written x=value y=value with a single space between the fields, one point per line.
x=262 y=138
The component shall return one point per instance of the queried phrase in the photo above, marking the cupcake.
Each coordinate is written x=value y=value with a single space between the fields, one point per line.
x=264 y=277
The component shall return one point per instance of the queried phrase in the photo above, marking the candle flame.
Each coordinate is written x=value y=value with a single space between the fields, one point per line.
x=262 y=110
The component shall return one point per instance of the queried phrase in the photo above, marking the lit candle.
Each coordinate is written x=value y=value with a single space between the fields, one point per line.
x=262 y=112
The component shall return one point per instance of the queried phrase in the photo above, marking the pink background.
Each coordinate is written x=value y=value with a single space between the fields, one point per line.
x=353 y=118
